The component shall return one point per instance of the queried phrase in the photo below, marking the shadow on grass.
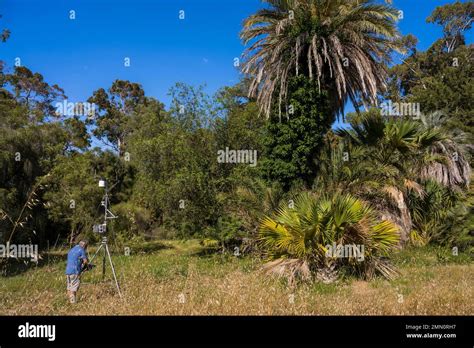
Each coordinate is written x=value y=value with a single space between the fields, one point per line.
x=147 y=247
x=207 y=252
x=11 y=267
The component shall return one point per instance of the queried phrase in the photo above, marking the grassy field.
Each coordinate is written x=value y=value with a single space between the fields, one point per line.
x=178 y=280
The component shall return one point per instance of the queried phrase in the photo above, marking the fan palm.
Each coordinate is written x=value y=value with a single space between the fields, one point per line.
x=253 y=199
x=343 y=44
x=395 y=158
x=299 y=237
x=416 y=149
x=387 y=153
x=431 y=209
x=448 y=159
x=259 y=197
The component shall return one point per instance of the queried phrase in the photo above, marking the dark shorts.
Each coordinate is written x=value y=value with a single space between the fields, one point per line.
x=73 y=282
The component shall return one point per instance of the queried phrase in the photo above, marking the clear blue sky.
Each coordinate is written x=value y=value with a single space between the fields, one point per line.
x=84 y=54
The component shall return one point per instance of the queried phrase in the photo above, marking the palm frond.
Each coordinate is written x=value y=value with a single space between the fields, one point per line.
x=305 y=232
x=318 y=39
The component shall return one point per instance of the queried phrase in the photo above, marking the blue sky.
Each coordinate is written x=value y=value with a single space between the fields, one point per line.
x=88 y=52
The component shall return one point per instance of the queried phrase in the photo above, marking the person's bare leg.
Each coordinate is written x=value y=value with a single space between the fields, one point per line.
x=72 y=296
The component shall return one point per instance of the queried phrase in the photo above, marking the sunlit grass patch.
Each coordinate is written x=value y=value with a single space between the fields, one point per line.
x=180 y=281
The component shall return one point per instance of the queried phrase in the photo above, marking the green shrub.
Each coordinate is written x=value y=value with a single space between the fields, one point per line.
x=131 y=219
x=228 y=232
x=300 y=240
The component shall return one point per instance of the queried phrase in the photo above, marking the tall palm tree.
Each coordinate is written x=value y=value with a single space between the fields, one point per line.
x=343 y=44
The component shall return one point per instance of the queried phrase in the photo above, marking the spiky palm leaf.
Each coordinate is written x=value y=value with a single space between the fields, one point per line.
x=340 y=43
x=447 y=159
x=304 y=233
x=258 y=196
x=400 y=155
x=429 y=210
x=447 y=165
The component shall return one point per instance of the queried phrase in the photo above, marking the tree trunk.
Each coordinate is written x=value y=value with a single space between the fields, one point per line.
x=400 y=217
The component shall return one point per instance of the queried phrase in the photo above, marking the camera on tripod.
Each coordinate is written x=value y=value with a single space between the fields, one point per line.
x=87 y=267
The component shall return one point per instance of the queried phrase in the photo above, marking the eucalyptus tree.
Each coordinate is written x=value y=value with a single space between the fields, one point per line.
x=116 y=108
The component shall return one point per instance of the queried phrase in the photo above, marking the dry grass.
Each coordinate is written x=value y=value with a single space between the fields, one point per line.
x=179 y=282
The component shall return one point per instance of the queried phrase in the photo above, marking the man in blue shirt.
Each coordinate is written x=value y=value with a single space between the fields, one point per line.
x=76 y=261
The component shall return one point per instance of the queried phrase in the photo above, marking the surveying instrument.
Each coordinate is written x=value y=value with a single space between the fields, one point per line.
x=102 y=229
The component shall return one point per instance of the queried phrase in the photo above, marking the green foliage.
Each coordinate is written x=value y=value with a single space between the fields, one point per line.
x=175 y=157
x=455 y=18
x=456 y=229
x=387 y=162
x=440 y=79
x=29 y=147
x=316 y=223
x=132 y=220
x=292 y=143
x=392 y=151
x=255 y=198
x=116 y=107
x=238 y=128
x=73 y=197
x=178 y=177
x=430 y=209
x=31 y=91
x=228 y=232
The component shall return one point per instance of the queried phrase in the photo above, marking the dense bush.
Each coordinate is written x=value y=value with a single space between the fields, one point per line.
x=303 y=239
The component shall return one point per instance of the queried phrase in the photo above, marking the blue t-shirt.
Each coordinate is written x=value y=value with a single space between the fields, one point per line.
x=74 y=260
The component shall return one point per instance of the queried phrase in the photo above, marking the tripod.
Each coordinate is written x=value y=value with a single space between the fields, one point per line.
x=103 y=229
x=105 y=246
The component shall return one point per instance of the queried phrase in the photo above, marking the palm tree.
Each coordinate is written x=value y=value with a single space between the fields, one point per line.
x=393 y=154
x=449 y=164
x=430 y=211
x=297 y=239
x=254 y=199
x=343 y=44
x=391 y=162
